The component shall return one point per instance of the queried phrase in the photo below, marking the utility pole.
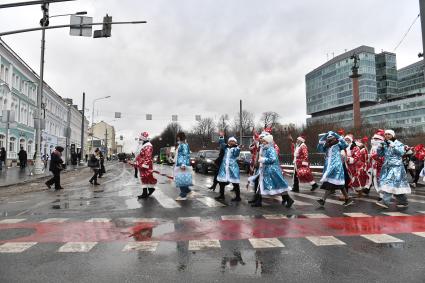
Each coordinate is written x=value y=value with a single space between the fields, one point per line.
x=240 y=122
x=422 y=11
x=82 y=127
x=68 y=133
x=106 y=141
x=356 y=92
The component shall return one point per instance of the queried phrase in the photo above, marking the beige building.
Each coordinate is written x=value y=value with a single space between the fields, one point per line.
x=103 y=136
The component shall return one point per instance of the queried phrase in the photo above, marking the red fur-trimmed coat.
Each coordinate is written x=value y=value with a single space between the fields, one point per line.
x=351 y=157
x=363 y=166
x=144 y=162
x=254 y=148
x=302 y=164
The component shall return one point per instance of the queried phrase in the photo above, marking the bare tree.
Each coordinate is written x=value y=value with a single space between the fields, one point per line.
x=223 y=124
x=205 y=129
x=270 y=119
x=247 y=123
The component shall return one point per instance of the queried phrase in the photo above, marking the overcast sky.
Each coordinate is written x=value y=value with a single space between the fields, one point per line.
x=200 y=57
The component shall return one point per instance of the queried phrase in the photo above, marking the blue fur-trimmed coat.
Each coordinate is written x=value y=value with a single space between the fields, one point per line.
x=229 y=168
x=183 y=155
x=333 y=171
x=271 y=180
x=393 y=177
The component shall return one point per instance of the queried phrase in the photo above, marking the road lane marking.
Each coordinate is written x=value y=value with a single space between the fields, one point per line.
x=139 y=220
x=146 y=246
x=165 y=201
x=54 y=220
x=13 y=247
x=423 y=212
x=275 y=216
x=357 y=214
x=77 y=247
x=382 y=238
x=197 y=245
x=316 y=198
x=235 y=217
x=315 y=215
x=99 y=220
x=261 y=243
x=210 y=202
x=12 y=221
x=420 y=234
x=184 y=219
x=395 y=214
x=325 y=241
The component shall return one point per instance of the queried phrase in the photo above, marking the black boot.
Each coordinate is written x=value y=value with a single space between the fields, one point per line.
x=144 y=194
x=151 y=190
x=221 y=196
x=288 y=200
x=254 y=199
x=296 y=189
x=237 y=191
x=258 y=201
x=314 y=187
x=212 y=188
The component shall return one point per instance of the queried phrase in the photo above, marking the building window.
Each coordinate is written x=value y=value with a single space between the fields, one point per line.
x=12 y=144
x=2 y=141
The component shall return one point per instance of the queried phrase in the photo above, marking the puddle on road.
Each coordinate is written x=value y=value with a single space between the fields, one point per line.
x=147 y=231
x=132 y=203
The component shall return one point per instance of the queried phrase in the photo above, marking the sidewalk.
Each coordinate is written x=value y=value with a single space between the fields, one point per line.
x=16 y=175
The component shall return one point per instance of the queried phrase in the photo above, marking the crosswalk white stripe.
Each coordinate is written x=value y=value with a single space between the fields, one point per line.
x=196 y=245
x=382 y=238
x=235 y=217
x=16 y=247
x=54 y=220
x=261 y=243
x=395 y=214
x=146 y=246
x=136 y=220
x=357 y=214
x=12 y=221
x=194 y=218
x=99 y=220
x=325 y=241
x=420 y=234
x=77 y=247
x=316 y=198
x=423 y=211
x=315 y=215
x=210 y=202
x=275 y=216
x=165 y=201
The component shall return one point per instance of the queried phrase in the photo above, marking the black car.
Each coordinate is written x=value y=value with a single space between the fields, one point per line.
x=204 y=161
x=244 y=160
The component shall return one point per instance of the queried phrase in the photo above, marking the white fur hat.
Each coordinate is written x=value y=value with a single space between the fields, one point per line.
x=232 y=139
x=268 y=138
x=391 y=132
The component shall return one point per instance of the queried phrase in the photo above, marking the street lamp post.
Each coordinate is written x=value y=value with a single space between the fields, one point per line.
x=92 y=119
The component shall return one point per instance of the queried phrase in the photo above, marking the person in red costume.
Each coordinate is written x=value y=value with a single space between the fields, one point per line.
x=351 y=156
x=362 y=165
x=269 y=130
x=418 y=158
x=302 y=172
x=144 y=162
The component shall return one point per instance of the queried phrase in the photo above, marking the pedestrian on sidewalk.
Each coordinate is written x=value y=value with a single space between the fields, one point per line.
x=2 y=157
x=102 y=164
x=182 y=169
x=144 y=163
x=229 y=169
x=271 y=180
x=22 y=155
x=393 y=179
x=94 y=164
x=56 y=166
x=333 y=171
x=302 y=171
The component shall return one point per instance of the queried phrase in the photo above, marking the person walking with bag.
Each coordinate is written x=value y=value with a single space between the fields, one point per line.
x=2 y=157
x=56 y=166
x=102 y=164
x=182 y=168
x=94 y=163
x=144 y=163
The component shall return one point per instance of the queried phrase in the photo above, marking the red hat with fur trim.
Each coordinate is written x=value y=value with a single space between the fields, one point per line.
x=379 y=135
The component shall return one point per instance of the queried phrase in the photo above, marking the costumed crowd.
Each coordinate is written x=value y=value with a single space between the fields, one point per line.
x=351 y=166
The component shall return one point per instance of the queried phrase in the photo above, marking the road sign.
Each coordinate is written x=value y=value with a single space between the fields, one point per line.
x=149 y=117
x=117 y=114
x=174 y=118
x=81 y=31
x=198 y=118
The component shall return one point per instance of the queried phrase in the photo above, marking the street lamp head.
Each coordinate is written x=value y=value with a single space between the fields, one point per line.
x=81 y=13
x=107 y=96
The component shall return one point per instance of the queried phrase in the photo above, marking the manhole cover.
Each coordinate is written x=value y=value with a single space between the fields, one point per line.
x=14 y=233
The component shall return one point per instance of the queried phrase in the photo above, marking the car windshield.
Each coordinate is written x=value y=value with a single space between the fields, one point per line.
x=211 y=154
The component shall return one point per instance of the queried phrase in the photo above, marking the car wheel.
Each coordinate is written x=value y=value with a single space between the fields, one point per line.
x=204 y=170
x=196 y=169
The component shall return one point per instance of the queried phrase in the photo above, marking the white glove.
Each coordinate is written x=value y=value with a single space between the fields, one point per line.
x=145 y=166
x=350 y=160
x=261 y=160
x=305 y=163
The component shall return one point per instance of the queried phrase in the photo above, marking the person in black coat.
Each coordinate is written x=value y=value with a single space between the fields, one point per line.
x=2 y=157
x=218 y=163
x=23 y=157
x=94 y=164
x=56 y=166
x=102 y=164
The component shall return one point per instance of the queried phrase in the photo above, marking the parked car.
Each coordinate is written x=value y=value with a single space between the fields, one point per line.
x=204 y=161
x=244 y=160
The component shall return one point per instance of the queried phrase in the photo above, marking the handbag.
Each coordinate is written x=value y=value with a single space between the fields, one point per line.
x=93 y=162
x=183 y=178
x=411 y=165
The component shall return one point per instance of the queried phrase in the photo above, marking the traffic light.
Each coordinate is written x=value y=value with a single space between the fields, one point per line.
x=44 y=22
x=106 y=28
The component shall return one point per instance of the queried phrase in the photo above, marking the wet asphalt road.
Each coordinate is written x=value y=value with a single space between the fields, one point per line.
x=111 y=223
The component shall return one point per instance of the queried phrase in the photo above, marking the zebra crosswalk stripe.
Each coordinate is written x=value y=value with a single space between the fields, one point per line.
x=12 y=221
x=16 y=247
x=77 y=247
x=196 y=245
x=382 y=238
x=325 y=241
x=261 y=243
x=147 y=246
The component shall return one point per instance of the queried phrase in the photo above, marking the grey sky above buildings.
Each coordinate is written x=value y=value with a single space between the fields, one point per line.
x=200 y=57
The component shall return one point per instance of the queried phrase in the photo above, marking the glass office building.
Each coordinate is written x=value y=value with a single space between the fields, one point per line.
x=411 y=79
x=386 y=76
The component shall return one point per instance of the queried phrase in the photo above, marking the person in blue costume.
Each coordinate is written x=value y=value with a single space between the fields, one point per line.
x=182 y=165
x=229 y=169
x=393 y=178
x=271 y=181
x=333 y=172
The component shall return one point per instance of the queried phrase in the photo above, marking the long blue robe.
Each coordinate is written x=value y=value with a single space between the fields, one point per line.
x=271 y=180
x=229 y=168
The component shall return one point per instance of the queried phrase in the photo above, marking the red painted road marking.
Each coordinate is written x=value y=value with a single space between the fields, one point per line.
x=218 y=230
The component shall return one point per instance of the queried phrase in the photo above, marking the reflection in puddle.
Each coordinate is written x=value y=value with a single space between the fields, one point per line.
x=231 y=262
x=147 y=231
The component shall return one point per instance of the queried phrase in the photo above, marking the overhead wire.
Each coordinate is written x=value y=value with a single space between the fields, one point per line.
x=407 y=32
